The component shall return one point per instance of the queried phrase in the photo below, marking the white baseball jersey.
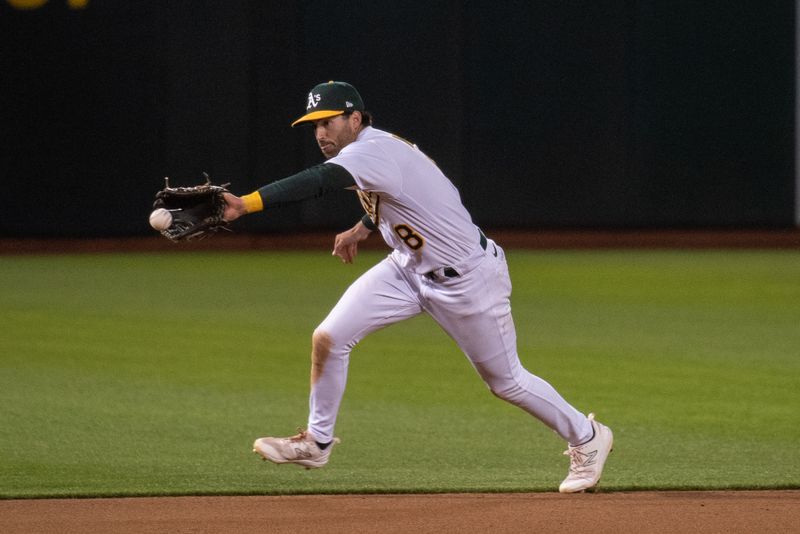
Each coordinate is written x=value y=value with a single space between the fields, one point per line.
x=415 y=206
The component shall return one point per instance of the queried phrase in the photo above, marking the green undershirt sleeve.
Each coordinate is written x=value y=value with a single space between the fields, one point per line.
x=313 y=182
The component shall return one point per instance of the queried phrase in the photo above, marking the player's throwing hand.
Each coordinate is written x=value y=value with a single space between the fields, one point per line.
x=346 y=244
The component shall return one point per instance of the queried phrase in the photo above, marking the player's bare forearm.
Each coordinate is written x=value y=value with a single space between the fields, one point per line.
x=346 y=244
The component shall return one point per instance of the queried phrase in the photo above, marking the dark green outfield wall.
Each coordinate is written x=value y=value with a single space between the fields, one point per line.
x=545 y=114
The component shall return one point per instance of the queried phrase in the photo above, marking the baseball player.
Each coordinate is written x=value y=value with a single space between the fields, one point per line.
x=441 y=264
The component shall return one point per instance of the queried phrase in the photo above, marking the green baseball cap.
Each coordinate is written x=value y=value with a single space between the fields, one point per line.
x=329 y=100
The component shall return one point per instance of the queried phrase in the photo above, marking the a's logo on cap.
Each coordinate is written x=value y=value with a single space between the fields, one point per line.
x=313 y=100
x=348 y=104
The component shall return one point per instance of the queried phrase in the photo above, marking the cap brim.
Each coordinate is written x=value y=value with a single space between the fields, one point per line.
x=316 y=115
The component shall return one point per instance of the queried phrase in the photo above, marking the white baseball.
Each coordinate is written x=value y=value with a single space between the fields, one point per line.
x=160 y=219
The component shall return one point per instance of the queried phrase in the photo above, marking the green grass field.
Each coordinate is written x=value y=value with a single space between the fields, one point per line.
x=150 y=374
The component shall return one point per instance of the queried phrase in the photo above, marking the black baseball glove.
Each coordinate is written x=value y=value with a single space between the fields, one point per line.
x=196 y=211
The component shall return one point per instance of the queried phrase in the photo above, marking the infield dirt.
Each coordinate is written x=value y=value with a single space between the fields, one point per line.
x=668 y=512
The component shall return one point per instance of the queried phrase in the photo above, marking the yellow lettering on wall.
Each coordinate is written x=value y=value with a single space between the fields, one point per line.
x=26 y=4
x=36 y=4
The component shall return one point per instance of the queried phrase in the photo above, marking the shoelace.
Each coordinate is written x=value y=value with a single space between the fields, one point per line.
x=576 y=465
x=301 y=435
x=300 y=444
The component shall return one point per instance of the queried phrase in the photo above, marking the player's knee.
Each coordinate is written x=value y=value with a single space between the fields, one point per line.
x=508 y=390
x=321 y=343
x=320 y=336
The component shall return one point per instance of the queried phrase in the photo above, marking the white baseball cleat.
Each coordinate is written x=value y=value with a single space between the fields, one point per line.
x=586 y=461
x=300 y=449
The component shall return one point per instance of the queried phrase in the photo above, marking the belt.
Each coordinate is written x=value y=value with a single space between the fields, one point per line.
x=450 y=272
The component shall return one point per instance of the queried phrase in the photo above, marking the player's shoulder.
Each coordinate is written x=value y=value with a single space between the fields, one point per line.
x=367 y=141
x=374 y=145
x=372 y=134
x=388 y=140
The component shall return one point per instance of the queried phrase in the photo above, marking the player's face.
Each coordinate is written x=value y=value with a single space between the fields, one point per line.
x=335 y=133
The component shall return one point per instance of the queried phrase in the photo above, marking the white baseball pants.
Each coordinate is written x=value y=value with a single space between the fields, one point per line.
x=473 y=308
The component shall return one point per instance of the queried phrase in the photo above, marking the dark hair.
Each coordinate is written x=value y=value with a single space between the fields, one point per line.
x=366 y=117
